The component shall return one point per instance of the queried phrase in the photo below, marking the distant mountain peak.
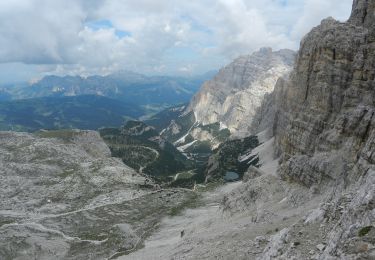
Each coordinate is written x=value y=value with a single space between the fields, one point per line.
x=234 y=94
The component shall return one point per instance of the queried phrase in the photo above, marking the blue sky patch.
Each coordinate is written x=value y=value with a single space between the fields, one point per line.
x=100 y=24
x=107 y=24
x=122 y=34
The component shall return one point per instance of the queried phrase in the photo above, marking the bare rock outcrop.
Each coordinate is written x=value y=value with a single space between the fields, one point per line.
x=62 y=196
x=325 y=128
x=326 y=110
x=234 y=94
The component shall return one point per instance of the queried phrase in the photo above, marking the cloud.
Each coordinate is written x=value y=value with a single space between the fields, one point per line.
x=39 y=32
x=166 y=36
x=316 y=10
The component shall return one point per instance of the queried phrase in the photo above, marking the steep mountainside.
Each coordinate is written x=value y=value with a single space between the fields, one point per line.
x=142 y=148
x=81 y=112
x=163 y=119
x=227 y=158
x=325 y=137
x=230 y=104
x=233 y=95
x=325 y=128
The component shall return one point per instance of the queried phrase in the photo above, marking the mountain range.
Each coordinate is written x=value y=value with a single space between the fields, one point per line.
x=152 y=92
x=77 y=112
x=90 y=103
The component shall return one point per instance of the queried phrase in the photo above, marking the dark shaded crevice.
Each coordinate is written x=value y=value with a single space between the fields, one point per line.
x=308 y=80
x=307 y=88
x=364 y=14
x=367 y=131
x=316 y=53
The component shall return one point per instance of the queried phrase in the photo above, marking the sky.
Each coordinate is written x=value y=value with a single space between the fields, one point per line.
x=153 y=37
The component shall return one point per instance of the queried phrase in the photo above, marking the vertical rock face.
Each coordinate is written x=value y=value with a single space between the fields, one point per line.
x=325 y=127
x=235 y=93
x=327 y=105
x=363 y=13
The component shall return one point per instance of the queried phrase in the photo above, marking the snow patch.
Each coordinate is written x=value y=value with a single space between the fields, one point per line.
x=223 y=126
x=182 y=139
x=265 y=153
x=184 y=147
x=163 y=131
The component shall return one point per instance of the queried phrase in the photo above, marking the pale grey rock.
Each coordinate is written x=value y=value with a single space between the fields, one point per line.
x=237 y=91
x=325 y=136
x=238 y=99
x=62 y=196
x=252 y=173
x=325 y=128
x=320 y=247
x=71 y=168
x=273 y=251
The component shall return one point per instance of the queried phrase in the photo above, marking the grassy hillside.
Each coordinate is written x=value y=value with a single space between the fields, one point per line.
x=141 y=147
x=163 y=119
x=225 y=158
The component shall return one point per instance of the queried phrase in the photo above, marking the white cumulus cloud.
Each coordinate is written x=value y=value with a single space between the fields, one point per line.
x=149 y=36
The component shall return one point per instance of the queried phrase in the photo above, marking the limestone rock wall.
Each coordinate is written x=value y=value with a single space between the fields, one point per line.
x=326 y=110
x=325 y=131
x=234 y=94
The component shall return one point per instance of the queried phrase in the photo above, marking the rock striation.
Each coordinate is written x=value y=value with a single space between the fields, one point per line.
x=325 y=128
x=234 y=94
x=326 y=110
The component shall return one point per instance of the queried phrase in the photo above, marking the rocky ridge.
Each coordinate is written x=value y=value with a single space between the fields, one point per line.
x=230 y=104
x=62 y=196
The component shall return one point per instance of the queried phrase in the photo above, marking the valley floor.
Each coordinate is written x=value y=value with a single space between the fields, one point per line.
x=169 y=236
x=228 y=227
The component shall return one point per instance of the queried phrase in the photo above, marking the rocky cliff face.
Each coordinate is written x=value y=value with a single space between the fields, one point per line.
x=326 y=110
x=233 y=103
x=325 y=127
x=235 y=93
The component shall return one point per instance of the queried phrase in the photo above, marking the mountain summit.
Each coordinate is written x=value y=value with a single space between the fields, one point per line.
x=233 y=95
